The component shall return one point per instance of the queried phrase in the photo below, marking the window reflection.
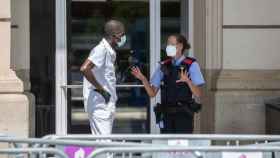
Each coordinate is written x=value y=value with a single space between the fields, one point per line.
x=170 y=21
x=85 y=31
x=87 y=28
x=87 y=20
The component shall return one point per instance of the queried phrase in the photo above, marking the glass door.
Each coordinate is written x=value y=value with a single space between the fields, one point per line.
x=86 y=22
x=84 y=31
x=79 y=27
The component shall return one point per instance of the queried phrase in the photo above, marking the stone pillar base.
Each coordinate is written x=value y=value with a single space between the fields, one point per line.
x=10 y=83
x=234 y=101
x=17 y=114
x=241 y=112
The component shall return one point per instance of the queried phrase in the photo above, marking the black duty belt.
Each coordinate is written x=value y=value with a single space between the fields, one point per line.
x=160 y=110
x=177 y=108
x=174 y=109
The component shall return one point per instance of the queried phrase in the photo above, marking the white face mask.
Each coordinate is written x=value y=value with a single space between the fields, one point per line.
x=122 y=42
x=171 y=50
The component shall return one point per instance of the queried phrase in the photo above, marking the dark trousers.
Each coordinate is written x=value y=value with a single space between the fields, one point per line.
x=177 y=123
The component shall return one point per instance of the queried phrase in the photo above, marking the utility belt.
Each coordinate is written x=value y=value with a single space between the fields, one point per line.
x=180 y=107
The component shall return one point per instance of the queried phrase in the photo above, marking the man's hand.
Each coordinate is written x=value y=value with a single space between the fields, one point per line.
x=106 y=95
x=135 y=71
x=86 y=71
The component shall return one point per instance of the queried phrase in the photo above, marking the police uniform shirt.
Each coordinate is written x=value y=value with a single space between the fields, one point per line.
x=103 y=57
x=194 y=73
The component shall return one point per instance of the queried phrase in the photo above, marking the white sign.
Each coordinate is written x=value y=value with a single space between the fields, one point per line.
x=178 y=142
x=242 y=155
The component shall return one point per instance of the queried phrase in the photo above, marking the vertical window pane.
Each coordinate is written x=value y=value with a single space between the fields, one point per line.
x=86 y=27
x=170 y=21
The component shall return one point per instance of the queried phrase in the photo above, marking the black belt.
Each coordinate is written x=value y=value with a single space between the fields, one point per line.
x=177 y=108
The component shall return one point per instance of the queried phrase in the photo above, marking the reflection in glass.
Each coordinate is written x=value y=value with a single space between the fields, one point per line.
x=42 y=64
x=87 y=20
x=170 y=21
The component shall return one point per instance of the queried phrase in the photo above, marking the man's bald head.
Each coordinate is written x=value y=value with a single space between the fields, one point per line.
x=113 y=27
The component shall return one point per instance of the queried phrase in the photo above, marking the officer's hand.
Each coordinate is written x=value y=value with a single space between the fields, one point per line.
x=135 y=71
x=183 y=77
x=106 y=95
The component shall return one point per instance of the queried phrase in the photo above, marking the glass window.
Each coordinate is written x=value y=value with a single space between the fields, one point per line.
x=170 y=21
x=42 y=64
x=86 y=27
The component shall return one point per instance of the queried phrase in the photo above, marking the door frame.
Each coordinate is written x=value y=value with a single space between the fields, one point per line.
x=155 y=45
x=61 y=67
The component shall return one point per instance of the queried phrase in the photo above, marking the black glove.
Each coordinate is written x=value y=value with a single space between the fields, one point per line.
x=106 y=95
x=157 y=112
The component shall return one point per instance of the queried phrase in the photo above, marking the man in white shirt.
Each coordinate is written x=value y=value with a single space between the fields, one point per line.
x=99 y=86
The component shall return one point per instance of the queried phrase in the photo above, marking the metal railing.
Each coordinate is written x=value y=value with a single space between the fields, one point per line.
x=227 y=139
x=34 y=151
x=38 y=144
x=150 y=141
x=183 y=149
x=39 y=141
x=117 y=86
x=143 y=143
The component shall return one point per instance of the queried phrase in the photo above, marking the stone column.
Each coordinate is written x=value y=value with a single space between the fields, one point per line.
x=198 y=48
x=17 y=114
x=242 y=68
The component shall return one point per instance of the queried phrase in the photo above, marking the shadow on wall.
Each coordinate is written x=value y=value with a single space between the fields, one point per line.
x=207 y=115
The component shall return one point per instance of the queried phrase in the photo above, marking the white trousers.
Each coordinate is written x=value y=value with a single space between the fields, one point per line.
x=100 y=114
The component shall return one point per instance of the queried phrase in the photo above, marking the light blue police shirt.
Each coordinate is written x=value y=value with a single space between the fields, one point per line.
x=194 y=72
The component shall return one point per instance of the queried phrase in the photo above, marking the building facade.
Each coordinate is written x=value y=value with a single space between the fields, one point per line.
x=43 y=43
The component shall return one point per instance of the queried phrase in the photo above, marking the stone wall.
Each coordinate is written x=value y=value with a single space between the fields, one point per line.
x=241 y=64
x=17 y=110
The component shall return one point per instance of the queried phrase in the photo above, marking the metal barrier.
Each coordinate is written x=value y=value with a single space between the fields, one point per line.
x=46 y=143
x=183 y=149
x=228 y=140
x=216 y=137
x=67 y=142
x=33 y=151
x=142 y=139
x=15 y=145
x=145 y=143
x=150 y=140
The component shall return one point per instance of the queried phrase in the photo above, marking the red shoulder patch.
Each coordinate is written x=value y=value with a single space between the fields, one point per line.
x=166 y=61
x=188 y=61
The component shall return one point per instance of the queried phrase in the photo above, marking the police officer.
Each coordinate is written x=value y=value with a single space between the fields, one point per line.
x=99 y=86
x=180 y=80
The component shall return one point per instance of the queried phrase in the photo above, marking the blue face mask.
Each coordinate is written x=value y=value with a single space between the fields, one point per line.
x=122 y=42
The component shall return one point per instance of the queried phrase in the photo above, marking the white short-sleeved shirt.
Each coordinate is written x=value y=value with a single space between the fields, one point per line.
x=103 y=57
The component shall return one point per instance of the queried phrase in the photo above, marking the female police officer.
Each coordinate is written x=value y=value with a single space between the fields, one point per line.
x=180 y=79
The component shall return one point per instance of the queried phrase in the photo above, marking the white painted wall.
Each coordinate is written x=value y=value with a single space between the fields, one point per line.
x=5 y=9
x=4 y=47
x=251 y=49
x=20 y=37
x=251 y=12
x=4 y=38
